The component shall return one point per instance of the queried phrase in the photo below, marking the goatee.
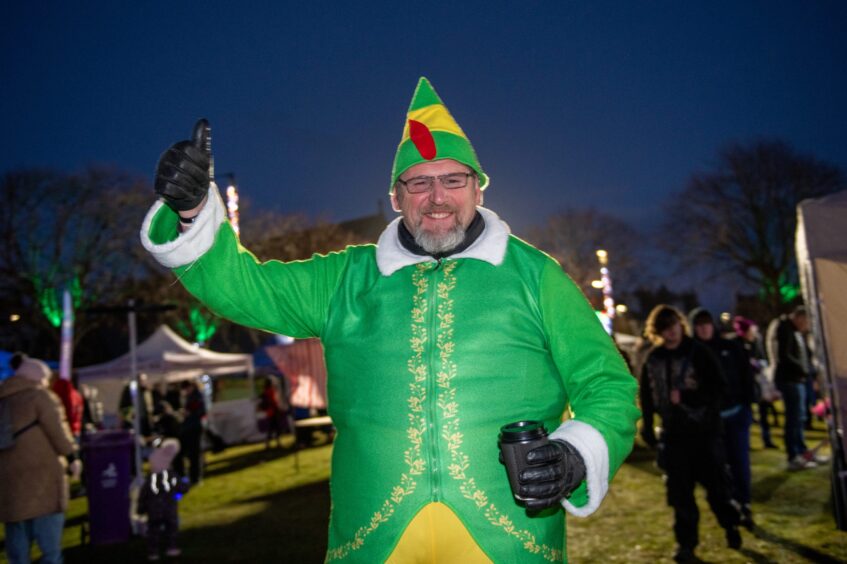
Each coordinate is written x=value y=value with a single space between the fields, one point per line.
x=434 y=243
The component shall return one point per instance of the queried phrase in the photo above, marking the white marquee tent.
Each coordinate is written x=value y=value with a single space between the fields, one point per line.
x=167 y=357
x=822 y=265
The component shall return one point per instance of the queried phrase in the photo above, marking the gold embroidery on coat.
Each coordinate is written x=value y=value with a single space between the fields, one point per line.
x=417 y=422
x=451 y=433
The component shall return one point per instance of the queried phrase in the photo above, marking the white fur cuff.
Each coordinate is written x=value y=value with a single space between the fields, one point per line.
x=192 y=244
x=592 y=447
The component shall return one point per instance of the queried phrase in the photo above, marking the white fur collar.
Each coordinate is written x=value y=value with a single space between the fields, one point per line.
x=391 y=255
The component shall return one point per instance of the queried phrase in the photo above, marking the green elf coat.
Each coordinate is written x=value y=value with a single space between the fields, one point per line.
x=426 y=360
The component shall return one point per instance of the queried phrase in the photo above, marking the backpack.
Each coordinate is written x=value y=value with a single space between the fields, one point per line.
x=7 y=431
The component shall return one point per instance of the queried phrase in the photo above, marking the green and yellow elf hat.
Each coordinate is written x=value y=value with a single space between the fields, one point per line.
x=432 y=134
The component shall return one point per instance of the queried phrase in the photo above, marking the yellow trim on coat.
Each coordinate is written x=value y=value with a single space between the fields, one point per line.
x=437 y=536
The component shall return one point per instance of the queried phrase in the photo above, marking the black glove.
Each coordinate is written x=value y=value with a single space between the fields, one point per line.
x=555 y=470
x=182 y=175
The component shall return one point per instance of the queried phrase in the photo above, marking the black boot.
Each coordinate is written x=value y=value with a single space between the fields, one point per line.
x=733 y=538
x=684 y=554
x=747 y=517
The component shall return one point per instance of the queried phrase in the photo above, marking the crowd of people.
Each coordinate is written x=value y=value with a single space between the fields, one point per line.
x=175 y=410
x=703 y=386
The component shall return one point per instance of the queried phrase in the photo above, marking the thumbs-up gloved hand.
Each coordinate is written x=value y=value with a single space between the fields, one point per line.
x=182 y=175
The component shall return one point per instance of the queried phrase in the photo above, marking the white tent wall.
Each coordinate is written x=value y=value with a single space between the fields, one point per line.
x=831 y=276
x=167 y=357
x=822 y=265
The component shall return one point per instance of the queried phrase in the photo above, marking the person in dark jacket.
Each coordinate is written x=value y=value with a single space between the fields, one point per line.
x=193 y=423
x=764 y=390
x=145 y=406
x=681 y=381
x=792 y=366
x=159 y=499
x=736 y=410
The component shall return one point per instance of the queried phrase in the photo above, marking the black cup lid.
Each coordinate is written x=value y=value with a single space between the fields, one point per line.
x=522 y=431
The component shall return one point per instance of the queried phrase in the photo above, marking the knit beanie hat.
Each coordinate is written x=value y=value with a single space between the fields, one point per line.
x=742 y=325
x=33 y=369
x=163 y=455
x=431 y=134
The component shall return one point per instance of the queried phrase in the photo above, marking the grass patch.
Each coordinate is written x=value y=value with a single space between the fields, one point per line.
x=792 y=511
x=259 y=506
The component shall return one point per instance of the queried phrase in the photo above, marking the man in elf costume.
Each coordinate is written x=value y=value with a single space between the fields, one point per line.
x=453 y=327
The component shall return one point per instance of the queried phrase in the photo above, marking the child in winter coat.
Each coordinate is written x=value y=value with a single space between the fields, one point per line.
x=158 y=499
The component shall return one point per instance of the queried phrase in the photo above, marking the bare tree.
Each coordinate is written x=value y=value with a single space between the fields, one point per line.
x=272 y=235
x=65 y=230
x=573 y=237
x=81 y=231
x=268 y=235
x=740 y=217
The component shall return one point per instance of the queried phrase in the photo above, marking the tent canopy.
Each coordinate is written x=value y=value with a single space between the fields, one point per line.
x=167 y=356
x=163 y=357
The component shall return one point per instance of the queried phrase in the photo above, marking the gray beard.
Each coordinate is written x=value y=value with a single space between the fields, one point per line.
x=435 y=244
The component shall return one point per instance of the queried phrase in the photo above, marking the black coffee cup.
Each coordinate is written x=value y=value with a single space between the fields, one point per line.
x=515 y=440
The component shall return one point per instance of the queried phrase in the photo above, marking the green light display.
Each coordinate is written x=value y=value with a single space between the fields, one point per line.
x=786 y=291
x=201 y=325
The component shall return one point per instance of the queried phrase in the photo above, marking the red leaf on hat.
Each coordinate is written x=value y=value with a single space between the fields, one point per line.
x=422 y=138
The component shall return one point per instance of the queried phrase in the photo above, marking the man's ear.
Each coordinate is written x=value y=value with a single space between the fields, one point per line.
x=395 y=203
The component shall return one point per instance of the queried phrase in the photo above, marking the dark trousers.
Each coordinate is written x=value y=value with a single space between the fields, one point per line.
x=192 y=450
x=736 y=436
x=794 y=398
x=274 y=421
x=767 y=408
x=693 y=459
x=162 y=528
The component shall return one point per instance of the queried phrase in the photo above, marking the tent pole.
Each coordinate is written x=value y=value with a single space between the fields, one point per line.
x=136 y=399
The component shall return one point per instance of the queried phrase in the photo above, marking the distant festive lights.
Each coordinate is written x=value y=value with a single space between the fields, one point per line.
x=609 y=308
x=232 y=204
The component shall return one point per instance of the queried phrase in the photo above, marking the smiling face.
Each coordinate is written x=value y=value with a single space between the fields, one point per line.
x=437 y=219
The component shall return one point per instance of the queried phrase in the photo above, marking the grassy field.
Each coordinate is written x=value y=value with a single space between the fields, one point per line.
x=792 y=511
x=263 y=506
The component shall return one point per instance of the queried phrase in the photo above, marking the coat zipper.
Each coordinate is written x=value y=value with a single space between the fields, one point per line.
x=432 y=384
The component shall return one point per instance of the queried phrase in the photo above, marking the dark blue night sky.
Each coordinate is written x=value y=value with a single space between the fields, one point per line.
x=600 y=104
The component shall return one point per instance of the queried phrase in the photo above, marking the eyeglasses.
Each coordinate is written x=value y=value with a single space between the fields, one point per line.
x=421 y=184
